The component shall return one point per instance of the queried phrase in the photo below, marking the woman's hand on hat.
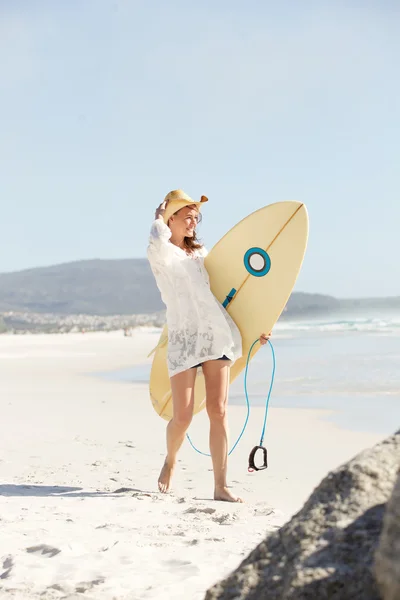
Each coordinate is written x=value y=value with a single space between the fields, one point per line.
x=161 y=209
x=264 y=338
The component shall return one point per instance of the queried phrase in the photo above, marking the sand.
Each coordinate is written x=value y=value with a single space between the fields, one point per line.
x=80 y=513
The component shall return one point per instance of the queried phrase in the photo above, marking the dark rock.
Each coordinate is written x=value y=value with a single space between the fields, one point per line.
x=387 y=559
x=326 y=551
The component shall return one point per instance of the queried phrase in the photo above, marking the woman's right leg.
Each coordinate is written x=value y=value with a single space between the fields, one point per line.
x=182 y=387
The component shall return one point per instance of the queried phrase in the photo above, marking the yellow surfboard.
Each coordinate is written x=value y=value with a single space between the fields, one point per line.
x=252 y=271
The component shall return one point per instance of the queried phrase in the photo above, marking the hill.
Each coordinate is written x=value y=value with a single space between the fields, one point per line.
x=93 y=287
x=127 y=287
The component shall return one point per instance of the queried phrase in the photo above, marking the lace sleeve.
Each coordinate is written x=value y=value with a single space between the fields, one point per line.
x=159 y=247
x=160 y=233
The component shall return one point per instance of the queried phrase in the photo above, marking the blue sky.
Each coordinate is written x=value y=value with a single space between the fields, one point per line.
x=107 y=106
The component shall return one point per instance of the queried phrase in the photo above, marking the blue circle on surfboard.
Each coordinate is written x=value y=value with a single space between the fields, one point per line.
x=257 y=262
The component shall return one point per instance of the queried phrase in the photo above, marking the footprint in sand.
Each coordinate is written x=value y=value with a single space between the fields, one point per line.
x=128 y=444
x=196 y=510
x=193 y=542
x=136 y=493
x=8 y=564
x=57 y=587
x=263 y=511
x=184 y=566
x=175 y=530
x=225 y=518
x=85 y=586
x=43 y=550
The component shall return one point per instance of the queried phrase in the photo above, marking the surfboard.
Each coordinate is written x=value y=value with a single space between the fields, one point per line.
x=253 y=269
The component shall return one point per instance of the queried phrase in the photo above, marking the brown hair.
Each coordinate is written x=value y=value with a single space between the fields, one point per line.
x=191 y=243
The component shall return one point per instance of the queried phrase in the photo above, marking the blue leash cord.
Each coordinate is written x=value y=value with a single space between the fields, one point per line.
x=252 y=466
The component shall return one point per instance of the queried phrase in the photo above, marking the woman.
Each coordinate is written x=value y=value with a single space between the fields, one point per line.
x=201 y=333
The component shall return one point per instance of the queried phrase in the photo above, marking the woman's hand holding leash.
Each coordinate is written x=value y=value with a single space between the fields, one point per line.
x=264 y=338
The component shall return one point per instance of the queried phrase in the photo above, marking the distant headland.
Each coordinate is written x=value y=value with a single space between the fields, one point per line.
x=117 y=294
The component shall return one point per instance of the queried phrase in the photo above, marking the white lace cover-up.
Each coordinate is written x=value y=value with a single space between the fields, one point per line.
x=199 y=327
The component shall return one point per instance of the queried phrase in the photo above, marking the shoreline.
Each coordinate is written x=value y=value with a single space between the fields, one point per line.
x=351 y=410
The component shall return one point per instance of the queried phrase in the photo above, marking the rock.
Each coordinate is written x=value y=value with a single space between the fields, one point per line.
x=387 y=559
x=326 y=551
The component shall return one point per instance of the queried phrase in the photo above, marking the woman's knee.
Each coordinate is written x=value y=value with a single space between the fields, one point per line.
x=183 y=418
x=216 y=408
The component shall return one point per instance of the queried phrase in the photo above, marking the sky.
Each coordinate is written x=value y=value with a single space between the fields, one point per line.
x=106 y=106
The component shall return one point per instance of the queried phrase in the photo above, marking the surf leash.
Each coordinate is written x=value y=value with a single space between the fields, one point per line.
x=252 y=465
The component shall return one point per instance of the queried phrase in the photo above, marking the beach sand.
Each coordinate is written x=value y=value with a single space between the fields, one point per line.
x=80 y=513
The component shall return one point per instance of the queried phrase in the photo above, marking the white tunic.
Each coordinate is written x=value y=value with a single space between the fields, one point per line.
x=199 y=327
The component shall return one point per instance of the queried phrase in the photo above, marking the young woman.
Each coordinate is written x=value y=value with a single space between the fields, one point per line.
x=200 y=333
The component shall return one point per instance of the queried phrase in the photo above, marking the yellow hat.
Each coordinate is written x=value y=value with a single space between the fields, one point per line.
x=177 y=199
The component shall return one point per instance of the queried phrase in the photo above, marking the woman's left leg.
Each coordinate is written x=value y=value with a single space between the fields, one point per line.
x=216 y=375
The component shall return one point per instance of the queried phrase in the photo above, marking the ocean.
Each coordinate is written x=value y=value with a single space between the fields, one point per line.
x=350 y=367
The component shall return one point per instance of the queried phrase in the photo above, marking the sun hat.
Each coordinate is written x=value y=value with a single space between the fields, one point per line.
x=177 y=200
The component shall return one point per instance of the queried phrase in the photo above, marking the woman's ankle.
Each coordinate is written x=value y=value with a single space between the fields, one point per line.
x=218 y=486
x=170 y=462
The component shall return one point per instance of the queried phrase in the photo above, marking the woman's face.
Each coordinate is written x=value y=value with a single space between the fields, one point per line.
x=183 y=223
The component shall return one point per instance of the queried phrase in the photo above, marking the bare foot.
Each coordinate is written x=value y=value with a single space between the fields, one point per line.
x=225 y=495
x=164 y=480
